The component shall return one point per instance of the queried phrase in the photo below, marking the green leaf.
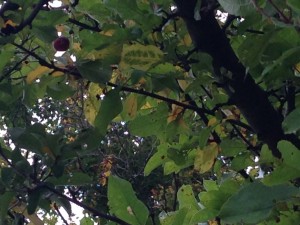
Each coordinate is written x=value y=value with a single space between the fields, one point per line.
x=203 y=216
x=159 y=158
x=232 y=147
x=111 y=106
x=127 y=8
x=123 y=202
x=210 y=185
x=237 y=7
x=60 y=91
x=295 y=5
x=5 y=200
x=94 y=71
x=242 y=161
x=289 y=168
x=151 y=124
x=86 y=221
x=4 y=58
x=186 y=198
x=254 y=203
x=34 y=197
x=290 y=123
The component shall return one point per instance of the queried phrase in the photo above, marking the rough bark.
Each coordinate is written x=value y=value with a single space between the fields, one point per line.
x=253 y=102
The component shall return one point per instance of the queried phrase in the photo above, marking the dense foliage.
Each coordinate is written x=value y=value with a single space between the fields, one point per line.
x=158 y=112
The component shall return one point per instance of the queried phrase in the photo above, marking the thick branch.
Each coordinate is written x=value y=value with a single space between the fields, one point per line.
x=253 y=102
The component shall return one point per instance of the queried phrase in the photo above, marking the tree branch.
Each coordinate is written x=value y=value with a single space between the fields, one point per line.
x=30 y=18
x=253 y=102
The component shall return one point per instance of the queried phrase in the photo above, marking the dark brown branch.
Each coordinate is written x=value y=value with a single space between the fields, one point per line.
x=31 y=17
x=159 y=97
x=253 y=102
x=60 y=215
x=85 y=26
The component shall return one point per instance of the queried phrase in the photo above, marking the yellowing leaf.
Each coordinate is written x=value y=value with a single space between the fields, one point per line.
x=212 y=122
x=130 y=106
x=76 y=47
x=205 y=158
x=147 y=106
x=187 y=41
x=108 y=32
x=36 y=73
x=92 y=102
x=140 y=57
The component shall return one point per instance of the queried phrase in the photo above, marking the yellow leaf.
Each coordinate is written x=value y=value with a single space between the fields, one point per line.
x=205 y=158
x=130 y=106
x=212 y=122
x=57 y=74
x=107 y=173
x=36 y=73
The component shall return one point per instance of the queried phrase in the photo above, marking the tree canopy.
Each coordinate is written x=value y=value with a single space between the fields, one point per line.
x=150 y=111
